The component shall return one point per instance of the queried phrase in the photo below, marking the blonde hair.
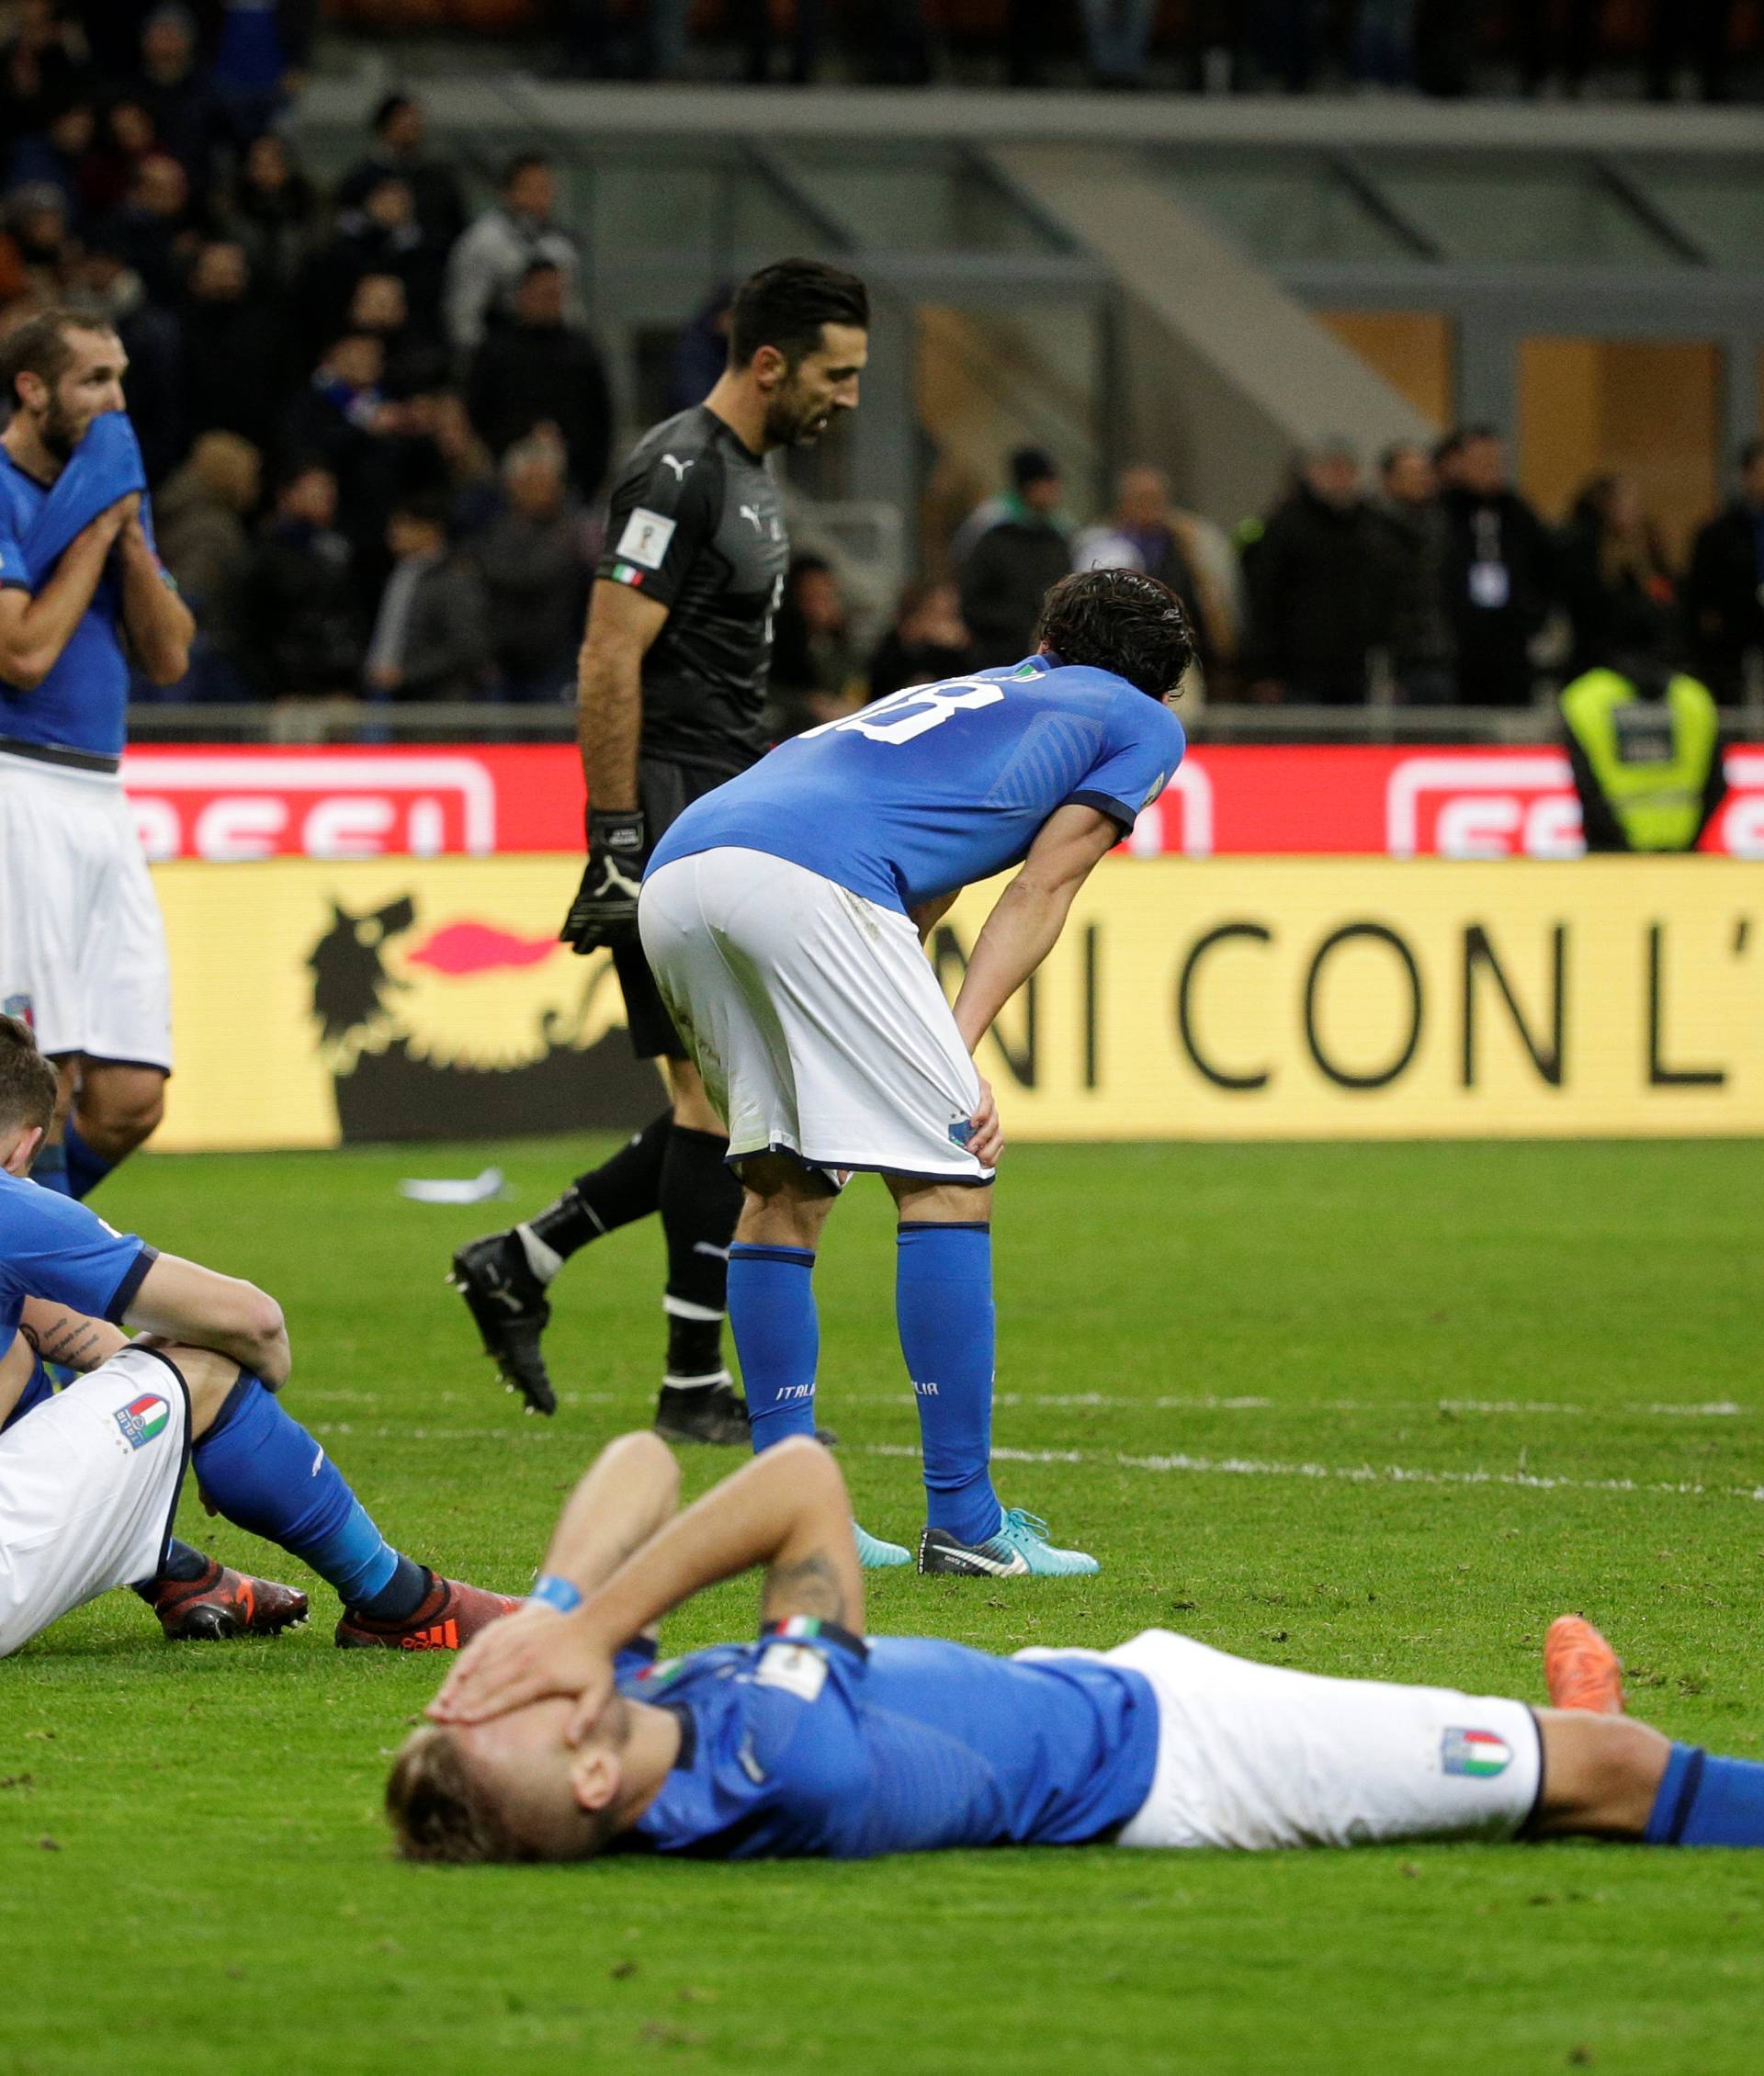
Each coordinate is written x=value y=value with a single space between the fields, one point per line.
x=438 y=1810
x=441 y=1808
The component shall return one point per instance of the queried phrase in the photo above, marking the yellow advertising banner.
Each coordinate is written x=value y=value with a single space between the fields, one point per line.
x=1327 y=998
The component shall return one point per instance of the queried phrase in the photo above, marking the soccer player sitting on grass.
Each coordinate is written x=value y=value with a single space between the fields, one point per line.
x=89 y=1477
x=556 y=1735
x=783 y=916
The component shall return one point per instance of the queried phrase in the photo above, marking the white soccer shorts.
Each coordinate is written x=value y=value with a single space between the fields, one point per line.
x=1259 y=1756
x=82 y=945
x=813 y=1015
x=88 y=1490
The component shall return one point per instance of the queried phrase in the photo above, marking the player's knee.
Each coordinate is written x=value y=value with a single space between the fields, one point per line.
x=210 y=1380
x=117 y=1112
x=782 y=1204
x=1600 y=1773
x=941 y=1204
x=694 y=1112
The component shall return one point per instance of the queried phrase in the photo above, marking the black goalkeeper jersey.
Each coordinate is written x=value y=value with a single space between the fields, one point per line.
x=695 y=523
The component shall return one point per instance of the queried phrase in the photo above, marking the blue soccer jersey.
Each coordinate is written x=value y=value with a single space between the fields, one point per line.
x=811 y=1744
x=83 y=704
x=52 y=1247
x=940 y=785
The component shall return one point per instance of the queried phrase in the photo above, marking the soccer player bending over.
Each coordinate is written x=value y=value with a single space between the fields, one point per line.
x=89 y=1478
x=557 y=1735
x=783 y=917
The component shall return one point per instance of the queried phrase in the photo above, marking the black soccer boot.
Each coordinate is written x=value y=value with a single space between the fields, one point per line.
x=712 y=1413
x=707 y=1413
x=508 y=1302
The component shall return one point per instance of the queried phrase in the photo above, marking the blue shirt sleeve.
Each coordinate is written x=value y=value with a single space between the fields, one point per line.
x=635 y=1657
x=1144 y=745
x=810 y=1688
x=772 y=1758
x=52 y=1247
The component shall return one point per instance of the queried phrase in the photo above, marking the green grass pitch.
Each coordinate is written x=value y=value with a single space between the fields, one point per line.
x=1380 y=1410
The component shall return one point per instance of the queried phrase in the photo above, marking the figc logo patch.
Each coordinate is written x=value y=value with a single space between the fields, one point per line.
x=143 y=1418
x=1476 y=1752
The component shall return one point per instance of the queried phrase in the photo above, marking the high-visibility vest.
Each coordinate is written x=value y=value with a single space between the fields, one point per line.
x=1650 y=758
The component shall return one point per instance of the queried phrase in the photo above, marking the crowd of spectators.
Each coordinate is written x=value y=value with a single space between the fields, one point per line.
x=1664 y=48
x=375 y=426
x=377 y=429
x=1439 y=585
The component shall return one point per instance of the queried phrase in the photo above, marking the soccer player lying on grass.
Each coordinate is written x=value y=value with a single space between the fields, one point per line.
x=783 y=916
x=89 y=1477
x=555 y=1736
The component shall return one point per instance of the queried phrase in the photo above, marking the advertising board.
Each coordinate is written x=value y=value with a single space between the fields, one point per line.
x=411 y=999
x=233 y=804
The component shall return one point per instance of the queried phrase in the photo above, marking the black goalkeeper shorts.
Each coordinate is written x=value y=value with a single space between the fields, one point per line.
x=664 y=792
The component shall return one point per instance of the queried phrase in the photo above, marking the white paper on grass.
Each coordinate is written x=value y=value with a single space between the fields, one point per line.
x=447 y=1189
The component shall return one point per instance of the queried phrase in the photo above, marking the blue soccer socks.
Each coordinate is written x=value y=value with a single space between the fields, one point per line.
x=1706 y=1800
x=71 y=1168
x=778 y=1336
x=85 y=1169
x=943 y=1297
x=264 y=1472
x=49 y=1171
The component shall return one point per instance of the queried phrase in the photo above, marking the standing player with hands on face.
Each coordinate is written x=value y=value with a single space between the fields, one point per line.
x=672 y=685
x=83 y=596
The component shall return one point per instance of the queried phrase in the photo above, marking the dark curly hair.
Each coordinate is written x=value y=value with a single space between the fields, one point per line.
x=27 y=1081
x=1123 y=621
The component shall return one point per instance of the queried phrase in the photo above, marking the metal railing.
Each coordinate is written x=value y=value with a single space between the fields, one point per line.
x=349 y=721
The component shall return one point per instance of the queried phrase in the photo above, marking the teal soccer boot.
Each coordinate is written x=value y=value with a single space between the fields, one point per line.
x=1020 y=1549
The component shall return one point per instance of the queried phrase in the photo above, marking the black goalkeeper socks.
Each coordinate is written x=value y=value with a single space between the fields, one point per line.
x=626 y=1187
x=701 y=1200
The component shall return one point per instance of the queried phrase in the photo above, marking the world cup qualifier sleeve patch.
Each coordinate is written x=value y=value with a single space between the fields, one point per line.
x=142 y=1419
x=1478 y=1754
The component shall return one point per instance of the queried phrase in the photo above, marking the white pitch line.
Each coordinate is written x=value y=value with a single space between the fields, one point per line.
x=1208 y=1402
x=1193 y=1466
x=1195 y=1402
x=1351 y=1473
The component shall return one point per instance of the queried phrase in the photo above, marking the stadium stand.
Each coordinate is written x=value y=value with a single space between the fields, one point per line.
x=372 y=285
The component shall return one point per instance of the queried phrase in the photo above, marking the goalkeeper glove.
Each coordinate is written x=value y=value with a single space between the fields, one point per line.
x=604 y=910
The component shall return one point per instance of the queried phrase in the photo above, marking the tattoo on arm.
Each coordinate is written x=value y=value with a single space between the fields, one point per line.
x=71 y=1339
x=810 y=1586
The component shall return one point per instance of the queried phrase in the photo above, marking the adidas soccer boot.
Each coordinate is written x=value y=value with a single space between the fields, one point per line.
x=508 y=1303
x=875 y=1555
x=1019 y=1549
x=1580 y=1669
x=223 y=1603
x=449 y=1617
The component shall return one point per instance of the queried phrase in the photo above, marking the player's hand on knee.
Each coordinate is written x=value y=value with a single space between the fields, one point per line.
x=524 y=1657
x=985 y=1134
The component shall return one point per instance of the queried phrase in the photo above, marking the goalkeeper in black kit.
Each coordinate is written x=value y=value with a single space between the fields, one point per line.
x=672 y=681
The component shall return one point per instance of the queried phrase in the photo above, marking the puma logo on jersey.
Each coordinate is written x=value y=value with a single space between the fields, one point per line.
x=679 y=467
x=753 y=511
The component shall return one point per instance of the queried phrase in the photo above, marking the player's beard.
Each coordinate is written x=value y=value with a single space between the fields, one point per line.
x=61 y=431
x=793 y=420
